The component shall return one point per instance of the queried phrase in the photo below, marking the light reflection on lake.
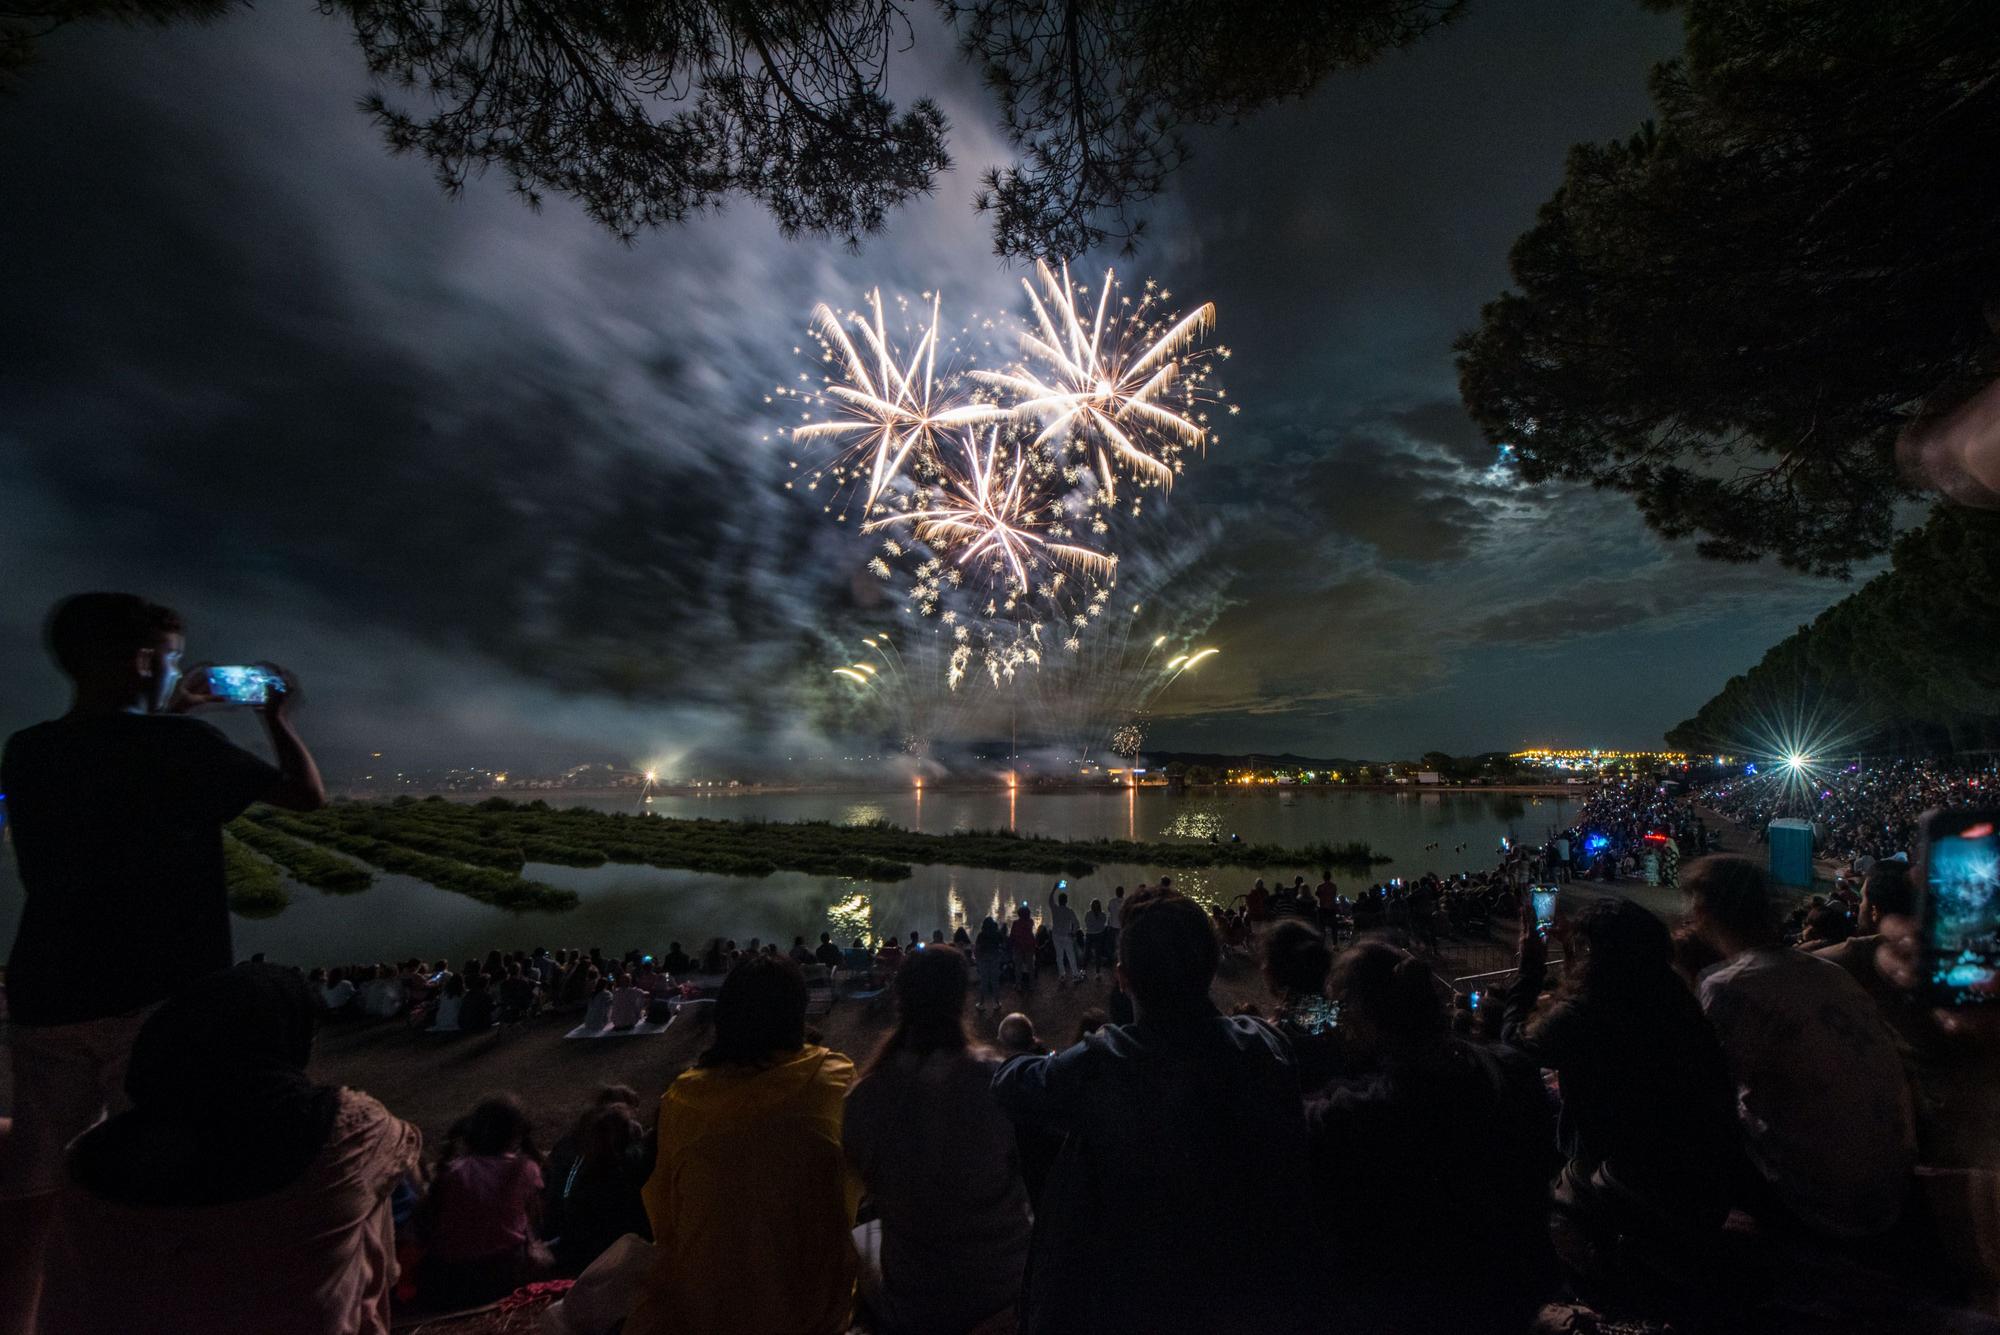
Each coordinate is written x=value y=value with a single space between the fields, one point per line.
x=644 y=906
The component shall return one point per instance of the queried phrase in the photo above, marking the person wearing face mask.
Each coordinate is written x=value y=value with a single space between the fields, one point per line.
x=117 y=810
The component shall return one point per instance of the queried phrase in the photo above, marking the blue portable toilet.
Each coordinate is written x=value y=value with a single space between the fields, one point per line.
x=1791 y=852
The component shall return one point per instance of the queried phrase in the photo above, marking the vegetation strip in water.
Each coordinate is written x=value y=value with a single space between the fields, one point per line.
x=489 y=885
x=254 y=887
x=505 y=834
x=308 y=864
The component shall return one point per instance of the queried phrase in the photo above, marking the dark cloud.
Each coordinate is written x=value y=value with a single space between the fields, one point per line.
x=493 y=480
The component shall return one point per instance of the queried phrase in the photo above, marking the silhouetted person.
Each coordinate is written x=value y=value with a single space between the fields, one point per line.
x=1178 y=1201
x=117 y=811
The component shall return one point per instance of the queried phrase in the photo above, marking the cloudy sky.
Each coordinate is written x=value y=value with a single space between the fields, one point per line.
x=499 y=490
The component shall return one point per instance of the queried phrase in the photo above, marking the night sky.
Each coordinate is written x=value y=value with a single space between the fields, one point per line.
x=495 y=486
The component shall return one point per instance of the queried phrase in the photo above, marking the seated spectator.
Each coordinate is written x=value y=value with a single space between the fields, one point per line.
x=950 y=1240
x=597 y=1013
x=827 y=953
x=337 y=995
x=235 y=1194
x=1820 y=1087
x=480 y=1216
x=451 y=997
x=889 y=958
x=647 y=976
x=751 y=1200
x=1178 y=1199
x=1296 y=961
x=475 y=1013
x=801 y=953
x=858 y=959
x=628 y=1003
x=1437 y=1150
x=579 y=980
x=517 y=995
x=1827 y=925
x=591 y=1197
x=1648 y=1112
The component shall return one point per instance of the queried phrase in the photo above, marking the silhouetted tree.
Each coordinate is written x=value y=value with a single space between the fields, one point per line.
x=1094 y=93
x=646 y=111
x=1732 y=314
x=1906 y=660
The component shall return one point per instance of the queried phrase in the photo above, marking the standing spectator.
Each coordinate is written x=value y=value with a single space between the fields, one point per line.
x=1063 y=928
x=751 y=1200
x=989 y=953
x=1095 y=924
x=148 y=908
x=1258 y=902
x=950 y=1240
x=484 y=1199
x=1219 y=1242
x=801 y=954
x=1114 y=918
x=1648 y=1113
x=1327 y=897
x=1820 y=1087
x=1435 y=1149
x=1021 y=939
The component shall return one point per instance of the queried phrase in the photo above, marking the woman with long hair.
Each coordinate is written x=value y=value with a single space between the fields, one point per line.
x=751 y=1200
x=950 y=1240
x=1648 y=1111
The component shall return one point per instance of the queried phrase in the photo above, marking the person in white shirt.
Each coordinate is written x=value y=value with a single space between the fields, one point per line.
x=450 y=997
x=1062 y=926
x=628 y=1003
x=337 y=992
x=382 y=995
x=1820 y=1087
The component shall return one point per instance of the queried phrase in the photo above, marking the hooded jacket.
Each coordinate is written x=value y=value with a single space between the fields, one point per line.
x=752 y=1202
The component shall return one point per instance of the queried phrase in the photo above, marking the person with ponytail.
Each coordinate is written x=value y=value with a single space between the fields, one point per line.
x=1436 y=1147
x=949 y=1243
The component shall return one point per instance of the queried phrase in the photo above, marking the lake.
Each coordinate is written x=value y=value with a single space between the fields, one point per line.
x=626 y=906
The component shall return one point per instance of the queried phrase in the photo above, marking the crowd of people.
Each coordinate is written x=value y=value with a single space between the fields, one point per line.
x=1358 y=1151
x=1859 y=812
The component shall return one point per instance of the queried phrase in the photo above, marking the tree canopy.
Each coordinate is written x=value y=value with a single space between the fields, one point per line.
x=647 y=111
x=1907 y=660
x=1731 y=315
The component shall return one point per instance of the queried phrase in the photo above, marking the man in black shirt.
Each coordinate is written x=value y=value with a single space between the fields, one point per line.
x=117 y=811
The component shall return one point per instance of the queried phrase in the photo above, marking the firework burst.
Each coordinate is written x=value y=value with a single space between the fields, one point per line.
x=1123 y=387
x=987 y=512
x=892 y=408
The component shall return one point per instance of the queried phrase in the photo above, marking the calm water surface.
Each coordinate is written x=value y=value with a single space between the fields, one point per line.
x=646 y=906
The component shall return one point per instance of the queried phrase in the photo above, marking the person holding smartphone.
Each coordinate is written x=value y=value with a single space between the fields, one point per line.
x=117 y=810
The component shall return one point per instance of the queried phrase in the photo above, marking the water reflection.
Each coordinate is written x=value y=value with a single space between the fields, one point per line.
x=867 y=813
x=1195 y=822
x=850 y=918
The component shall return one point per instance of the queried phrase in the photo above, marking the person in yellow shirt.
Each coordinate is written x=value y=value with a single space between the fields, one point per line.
x=751 y=1200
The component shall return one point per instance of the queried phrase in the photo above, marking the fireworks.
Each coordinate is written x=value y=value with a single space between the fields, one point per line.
x=987 y=462
x=896 y=408
x=988 y=509
x=1124 y=390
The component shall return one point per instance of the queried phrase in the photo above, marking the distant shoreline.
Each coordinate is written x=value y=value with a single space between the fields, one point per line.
x=553 y=796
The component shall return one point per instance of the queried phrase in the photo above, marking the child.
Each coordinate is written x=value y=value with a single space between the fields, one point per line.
x=484 y=1197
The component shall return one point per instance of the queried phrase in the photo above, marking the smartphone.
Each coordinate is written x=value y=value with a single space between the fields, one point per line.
x=1472 y=1001
x=1545 y=909
x=244 y=685
x=1958 y=919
